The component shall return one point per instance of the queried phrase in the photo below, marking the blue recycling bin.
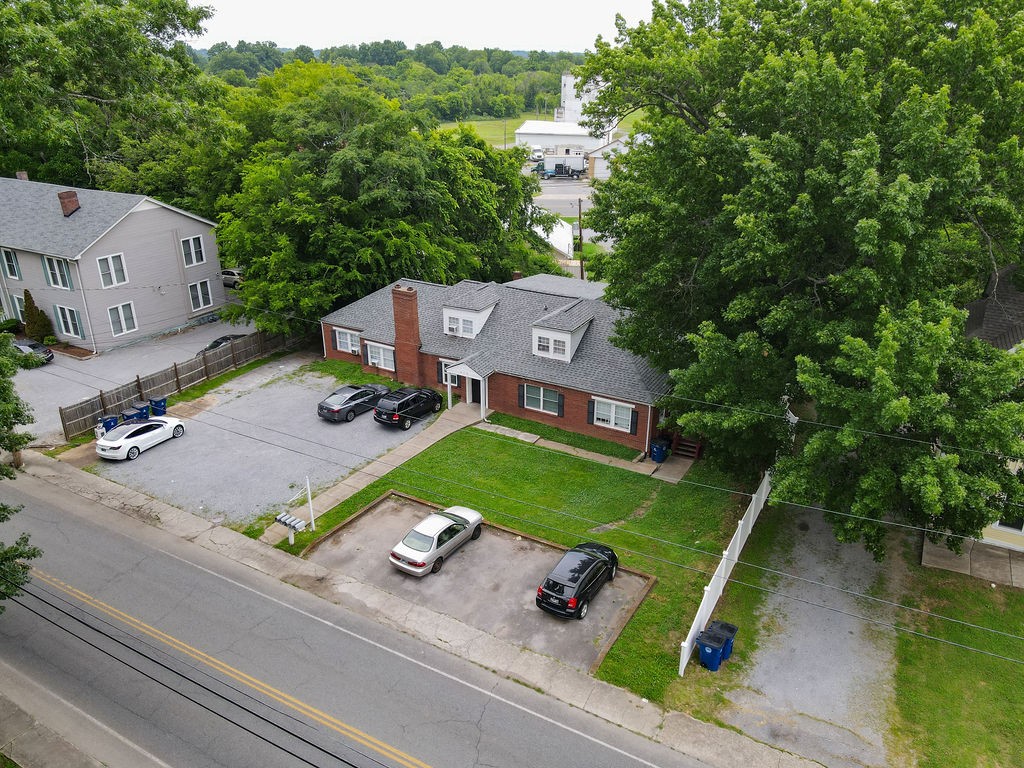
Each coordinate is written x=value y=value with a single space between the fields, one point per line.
x=108 y=421
x=143 y=409
x=132 y=414
x=659 y=450
x=711 y=645
x=158 y=405
x=728 y=631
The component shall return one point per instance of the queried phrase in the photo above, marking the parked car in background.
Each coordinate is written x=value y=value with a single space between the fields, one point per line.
x=220 y=341
x=435 y=538
x=576 y=579
x=130 y=438
x=345 y=403
x=232 y=278
x=406 y=405
x=34 y=348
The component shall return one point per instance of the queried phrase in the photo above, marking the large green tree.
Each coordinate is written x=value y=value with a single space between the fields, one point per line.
x=804 y=169
x=342 y=192
x=14 y=568
x=78 y=75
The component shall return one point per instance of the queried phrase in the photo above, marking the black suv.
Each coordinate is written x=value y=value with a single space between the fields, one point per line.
x=573 y=583
x=404 y=405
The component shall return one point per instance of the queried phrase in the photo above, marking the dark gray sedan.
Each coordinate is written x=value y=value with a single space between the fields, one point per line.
x=345 y=403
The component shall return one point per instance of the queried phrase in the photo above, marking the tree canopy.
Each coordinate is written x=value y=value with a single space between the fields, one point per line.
x=14 y=568
x=813 y=181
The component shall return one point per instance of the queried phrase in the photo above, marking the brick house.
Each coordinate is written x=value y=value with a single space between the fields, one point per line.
x=535 y=347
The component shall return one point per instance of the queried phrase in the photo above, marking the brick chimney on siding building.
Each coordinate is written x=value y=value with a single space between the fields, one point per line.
x=407 y=335
x=68 y=202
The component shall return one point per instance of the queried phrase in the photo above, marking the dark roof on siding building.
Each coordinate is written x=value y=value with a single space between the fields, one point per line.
x=504 y=345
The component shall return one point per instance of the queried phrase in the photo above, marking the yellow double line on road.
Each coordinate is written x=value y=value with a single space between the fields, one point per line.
x=255 y=684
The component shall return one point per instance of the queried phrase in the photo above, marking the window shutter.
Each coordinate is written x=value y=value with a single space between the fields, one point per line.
x=590 y=412
x=46 y=272
x=334 y=341
x=561 y=404
x=67 y=273
x=366 y=355
x=440 y=372
x=522 y=395
x=632 y=422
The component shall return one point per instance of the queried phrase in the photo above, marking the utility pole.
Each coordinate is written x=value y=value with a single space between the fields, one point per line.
x=579 y=206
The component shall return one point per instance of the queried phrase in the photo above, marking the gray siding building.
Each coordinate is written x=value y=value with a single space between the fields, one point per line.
x=108 y=268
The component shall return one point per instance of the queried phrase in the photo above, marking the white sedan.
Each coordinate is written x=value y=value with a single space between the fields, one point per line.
x=130 y=438
x=433 y=539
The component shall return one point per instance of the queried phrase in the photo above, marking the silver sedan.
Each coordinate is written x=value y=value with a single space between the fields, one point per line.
x=435 y=538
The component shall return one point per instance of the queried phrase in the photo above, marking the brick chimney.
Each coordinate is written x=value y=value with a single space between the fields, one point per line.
x=517 y=275
x=68 y=202
x=21 y=175
x=407 y=335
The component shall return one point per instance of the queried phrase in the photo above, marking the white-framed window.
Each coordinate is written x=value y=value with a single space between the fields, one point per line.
x=608 y=413
x=19 y=307
x=11 y=266
x=192 y=250
x=346 y=341
x=1013 y=523
x=200 y=294
x=69 y=321
x=543 y=345
x=540 y=399
x=382 y=357
x=459 y=325
x=547 y=344
x=447 y=378
x=558 y=347
x=122 y=319
x=112 y=270
x=57 y=273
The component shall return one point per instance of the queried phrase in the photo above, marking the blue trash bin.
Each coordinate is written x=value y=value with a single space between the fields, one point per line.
x=659 y=450
x=728 y=631
x=132 y=414
x=143 y=409
x=711 y=645
x=108 y=421
x=158 y=405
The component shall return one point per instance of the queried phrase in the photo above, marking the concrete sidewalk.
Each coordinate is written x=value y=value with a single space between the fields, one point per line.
x=708 y=743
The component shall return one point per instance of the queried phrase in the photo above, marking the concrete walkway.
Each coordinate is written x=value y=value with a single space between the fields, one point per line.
x=712 y=745
x=986 y=562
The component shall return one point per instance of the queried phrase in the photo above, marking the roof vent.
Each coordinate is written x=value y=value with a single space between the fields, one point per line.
x=21 y=175
x=68 y=202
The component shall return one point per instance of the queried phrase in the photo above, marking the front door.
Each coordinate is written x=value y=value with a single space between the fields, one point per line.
x=475 y=390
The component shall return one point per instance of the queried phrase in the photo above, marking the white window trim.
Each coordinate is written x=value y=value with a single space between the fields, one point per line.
x=542 y=409
x=120 y=313
x=192 y=251
x=60 y=266
x=461 y=324
x=192 y=299
x=66 y=327
x=446 y=378
x=380 y=349
x=19 y=307
x=353 y=340
x=614 y=405
x=113 y=273
x=545 y=338
x=10 y=259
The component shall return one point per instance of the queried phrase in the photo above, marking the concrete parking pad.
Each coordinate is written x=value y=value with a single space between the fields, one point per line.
x=489 y=584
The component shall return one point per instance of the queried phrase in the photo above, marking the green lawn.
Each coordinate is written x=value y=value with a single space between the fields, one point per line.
x=557 y=435
x=654 y=526
x=497 y=131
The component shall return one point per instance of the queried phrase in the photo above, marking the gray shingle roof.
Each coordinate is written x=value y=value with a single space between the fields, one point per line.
x=998 y=318
x=505 y=343
x=557 y=285
x=31 y=218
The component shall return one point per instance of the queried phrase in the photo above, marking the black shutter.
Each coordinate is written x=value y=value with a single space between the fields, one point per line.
x=561 y=404
x=632 y=422
x=366 y=355
x=522 y=395
x=440 y=372
x=590 y=412
x=334 y=341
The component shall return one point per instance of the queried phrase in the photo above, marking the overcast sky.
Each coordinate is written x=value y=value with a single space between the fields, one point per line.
x=543 y=25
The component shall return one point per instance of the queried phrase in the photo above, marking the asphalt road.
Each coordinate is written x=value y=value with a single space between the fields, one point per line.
x=310 y=683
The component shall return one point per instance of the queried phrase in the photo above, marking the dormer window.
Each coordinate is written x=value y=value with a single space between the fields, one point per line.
x=460 y=324
x=551 y=344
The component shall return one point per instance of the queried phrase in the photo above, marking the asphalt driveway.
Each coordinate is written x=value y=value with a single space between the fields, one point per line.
x=489 y=584
x=250 y=444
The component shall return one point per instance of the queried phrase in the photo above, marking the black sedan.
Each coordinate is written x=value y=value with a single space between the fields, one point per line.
x=576 y=579
x=345 y=403
x=220 y=341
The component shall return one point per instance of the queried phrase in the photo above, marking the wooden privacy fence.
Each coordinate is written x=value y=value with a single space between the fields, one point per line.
x=713 y=591
x=82 y=417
